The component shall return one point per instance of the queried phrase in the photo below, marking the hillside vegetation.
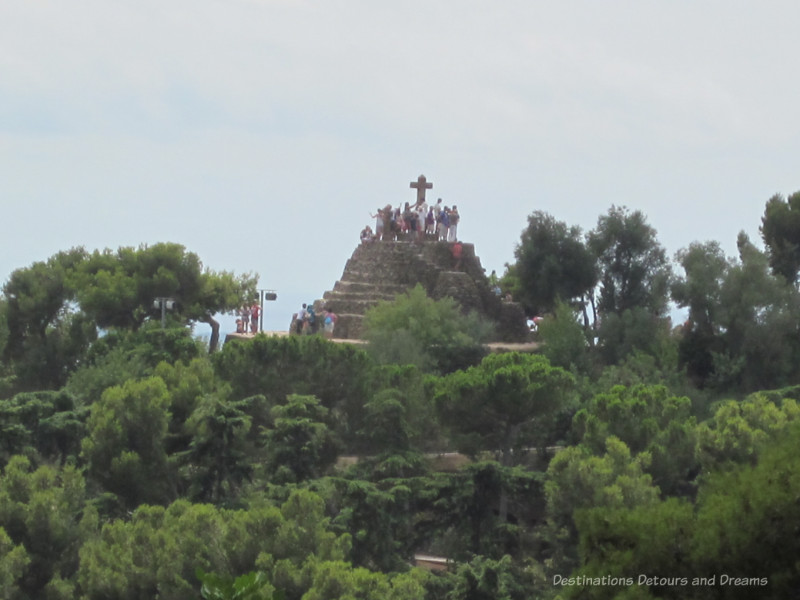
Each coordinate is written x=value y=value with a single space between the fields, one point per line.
x=629 y=458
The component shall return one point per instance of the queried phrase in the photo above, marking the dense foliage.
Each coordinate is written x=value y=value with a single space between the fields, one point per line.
x=623 y=459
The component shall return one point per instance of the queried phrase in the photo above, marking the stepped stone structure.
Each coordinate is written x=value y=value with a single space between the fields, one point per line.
x=380 y=270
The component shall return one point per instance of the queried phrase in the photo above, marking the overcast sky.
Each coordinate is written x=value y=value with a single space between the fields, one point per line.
x=261 y=133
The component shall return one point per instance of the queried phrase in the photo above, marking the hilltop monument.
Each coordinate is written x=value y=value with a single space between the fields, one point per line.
x=380 y=270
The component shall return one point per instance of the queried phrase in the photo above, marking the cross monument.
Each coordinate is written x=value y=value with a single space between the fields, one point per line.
x=421 y=184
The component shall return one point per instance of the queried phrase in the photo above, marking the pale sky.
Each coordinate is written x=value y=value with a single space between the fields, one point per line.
x=261 y=133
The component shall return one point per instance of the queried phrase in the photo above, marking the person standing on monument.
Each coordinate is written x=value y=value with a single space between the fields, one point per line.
x=494 y=283
x=421 y=214
x=311 y=320
x=453 y=230
x=444 y=224
x=387 y=222
x=244 y=314
x=255 y=313
x=329 y=322
x=406 y=225
x=457 y=251
x=402 y=226
x=378 y=224
x=300 y=322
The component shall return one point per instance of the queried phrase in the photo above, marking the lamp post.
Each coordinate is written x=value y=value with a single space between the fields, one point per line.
x=164 y=304
x=269 y=296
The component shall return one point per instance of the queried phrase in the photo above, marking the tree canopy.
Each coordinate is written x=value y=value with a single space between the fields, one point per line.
x=416 y=329
x=552 y=263
x=135 y=464
x=780 y=230
x=634 y=270
x=52 y=311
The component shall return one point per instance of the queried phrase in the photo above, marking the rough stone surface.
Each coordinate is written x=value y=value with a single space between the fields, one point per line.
x=381 y=270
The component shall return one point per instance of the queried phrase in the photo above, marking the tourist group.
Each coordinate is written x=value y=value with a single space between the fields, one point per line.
x=306 y=321
x=414 y=223
x=248 y=318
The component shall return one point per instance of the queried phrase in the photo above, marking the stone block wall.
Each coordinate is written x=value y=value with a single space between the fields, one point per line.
x=380 y=270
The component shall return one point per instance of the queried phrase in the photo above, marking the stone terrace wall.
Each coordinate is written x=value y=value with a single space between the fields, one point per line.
x=380 y=270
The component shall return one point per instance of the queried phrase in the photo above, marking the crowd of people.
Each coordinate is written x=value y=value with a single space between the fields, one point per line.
x=414 y=223
x=307 y=322
x=248 y=318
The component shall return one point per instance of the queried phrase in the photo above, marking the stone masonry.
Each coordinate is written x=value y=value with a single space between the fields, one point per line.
x=381 y=270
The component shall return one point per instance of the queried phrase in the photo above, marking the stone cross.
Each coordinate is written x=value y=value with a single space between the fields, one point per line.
x=421 y=184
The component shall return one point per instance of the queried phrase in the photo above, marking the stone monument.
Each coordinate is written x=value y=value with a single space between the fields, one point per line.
x=381 y=270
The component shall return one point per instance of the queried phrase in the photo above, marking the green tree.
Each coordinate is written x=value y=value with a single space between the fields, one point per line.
x=306 y=537
x=336 y=374
x=487 y=579
x=747 y=521
x=466 y=510
x=118 y=288
x=6 y=373
x=743 y=320
x=647 y=418
x=125 y=446
x=625 y=543
x=578 y=479
x=552 y=264
x=738 y=430
x=700 y=290
x=706 y=269
x=299 y=445
x=780 y=230
x=634 y=269
x=742 y=528
x=386 y=428
x=40 y=511
x=187 y=383
x=634 y=284
x=102 y=370
x=221 y=454
x=759 y=317
x=13 y=562
x=251 y=586
x=156 y=551
x=418 y=330
x=415 y=418
x=340 y=580
x=564 y=341
x=45 y=426
x=374 y=516
x=51 y=310
x=659 y=367
x=47 y=335
x=502 y=405
x=635 y=330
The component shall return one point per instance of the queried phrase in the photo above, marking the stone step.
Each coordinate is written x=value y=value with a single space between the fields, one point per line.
x=353 y=304
x=390 y=274
x=366 y=287
x=380 y=270
x=347 y=305
x=375 y=295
